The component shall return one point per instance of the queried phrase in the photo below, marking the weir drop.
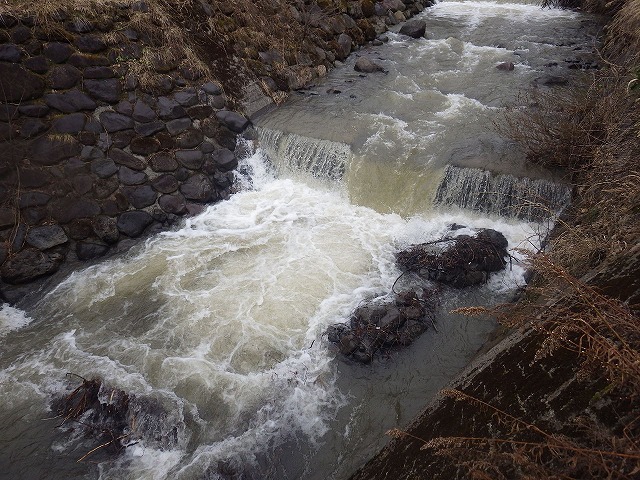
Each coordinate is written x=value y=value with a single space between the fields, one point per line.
x=220 y=324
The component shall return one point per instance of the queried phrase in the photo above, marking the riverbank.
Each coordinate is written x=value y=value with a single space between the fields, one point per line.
x=558 y=397
x=121 y=118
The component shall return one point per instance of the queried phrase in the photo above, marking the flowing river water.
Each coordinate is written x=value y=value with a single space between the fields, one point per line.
x=216 y=328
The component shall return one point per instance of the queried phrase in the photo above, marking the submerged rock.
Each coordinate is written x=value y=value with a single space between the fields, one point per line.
x=379 y=326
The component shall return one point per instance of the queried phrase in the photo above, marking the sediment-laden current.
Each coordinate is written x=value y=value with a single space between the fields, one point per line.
x=220 y=324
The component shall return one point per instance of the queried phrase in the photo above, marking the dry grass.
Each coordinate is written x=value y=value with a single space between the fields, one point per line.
x=594 y=138
x=529 y=452
x=218 y=39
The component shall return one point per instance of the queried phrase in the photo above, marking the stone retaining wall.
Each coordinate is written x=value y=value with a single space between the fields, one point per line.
x=91 y=159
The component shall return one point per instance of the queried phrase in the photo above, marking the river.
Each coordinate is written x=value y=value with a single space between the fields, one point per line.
x=219 y=324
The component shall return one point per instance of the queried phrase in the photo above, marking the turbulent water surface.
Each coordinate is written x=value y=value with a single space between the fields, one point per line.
x=219 y=324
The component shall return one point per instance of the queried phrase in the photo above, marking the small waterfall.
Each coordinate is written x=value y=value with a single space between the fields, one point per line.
x=500 y=194
x=321 y=158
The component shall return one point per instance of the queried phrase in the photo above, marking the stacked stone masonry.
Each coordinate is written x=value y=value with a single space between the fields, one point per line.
x=90 y=159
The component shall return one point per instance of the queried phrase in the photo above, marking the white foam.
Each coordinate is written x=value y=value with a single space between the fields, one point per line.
x=476 y=12
x=11 y=319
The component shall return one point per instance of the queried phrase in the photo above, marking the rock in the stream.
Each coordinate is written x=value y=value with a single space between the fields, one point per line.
x=414 y=28
x=380 y=326
x=363 y=64
x=464 y=261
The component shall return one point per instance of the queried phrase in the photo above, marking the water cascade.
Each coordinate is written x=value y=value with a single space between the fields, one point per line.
x=322 y=158
x=502 y=194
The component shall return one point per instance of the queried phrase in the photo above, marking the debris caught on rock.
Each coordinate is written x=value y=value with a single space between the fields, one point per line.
x=381 y=326
x=112 y=418
x=465 y=260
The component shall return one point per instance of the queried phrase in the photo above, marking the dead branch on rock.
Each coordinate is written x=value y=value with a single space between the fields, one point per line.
x=467 y=261
x=106 y=418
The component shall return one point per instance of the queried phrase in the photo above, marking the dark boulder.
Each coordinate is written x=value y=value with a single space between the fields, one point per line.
x=46 y=236
x=143 y=113
x=90 y=250
x=29 y=264
x=106 y=228
x=82 y=184
x=128 y=176
x=414 y=28
x=98 y=72
x=134 y=223
x=33 y=199
x=459 y=262
x=174 y=204
x=506 y=66
x=72 y=123
x=190 y=138
x=104 y=188
x=57 y=52
x=191 y=159
x=140 y=196
x=179 y=125
x=107 y=90
x=123 y=158
x=163 y=162
x=38 y=64
x=165 y=184
x=200 y=112
x=212 y=88
x=19 y=84
x=104 y=167
x=198 y=188
x=148 y=129
x=64 y=76
x=114 y=122
x=345 y=42
x=34 y=110
x=187 y=97
x=232 y=120
x=69 y=102
x=144 y=146
x=90 y=44
x=170 y=109
x=380 y=326
x=224 y=159
x=10 y=53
